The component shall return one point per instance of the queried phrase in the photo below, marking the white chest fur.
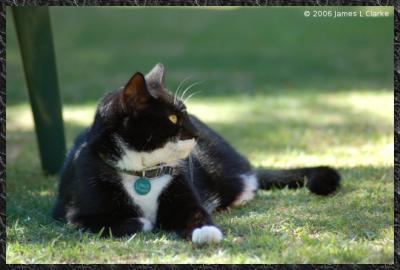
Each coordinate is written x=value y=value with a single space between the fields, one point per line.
x=148 y=203
x=171 y=154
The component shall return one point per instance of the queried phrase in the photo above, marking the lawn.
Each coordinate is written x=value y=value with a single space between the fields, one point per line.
x=285 y=90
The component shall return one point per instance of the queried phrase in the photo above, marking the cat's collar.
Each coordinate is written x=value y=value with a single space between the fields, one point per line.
x=149 y=173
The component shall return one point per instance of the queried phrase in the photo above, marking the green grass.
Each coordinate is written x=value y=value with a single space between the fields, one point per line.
x=304 y=92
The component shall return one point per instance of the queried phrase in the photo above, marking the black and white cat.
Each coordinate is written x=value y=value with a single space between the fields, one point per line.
x=146 y=164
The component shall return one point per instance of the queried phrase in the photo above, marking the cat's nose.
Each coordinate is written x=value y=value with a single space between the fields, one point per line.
x=189 y=131
x=189 y=134
x=195 y=135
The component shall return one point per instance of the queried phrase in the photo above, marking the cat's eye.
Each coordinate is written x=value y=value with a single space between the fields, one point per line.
x=173 y=118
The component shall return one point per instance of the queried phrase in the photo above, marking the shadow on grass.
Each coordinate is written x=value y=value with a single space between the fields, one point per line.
x=348 y=213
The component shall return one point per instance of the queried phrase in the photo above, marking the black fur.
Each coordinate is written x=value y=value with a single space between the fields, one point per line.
x=92 y=197
x=320 y=180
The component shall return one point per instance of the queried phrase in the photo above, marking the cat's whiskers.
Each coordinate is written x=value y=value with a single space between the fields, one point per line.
x=188 y=88
x=175 y=98
x=191 y=168
x=191 y=95
x=179 y=87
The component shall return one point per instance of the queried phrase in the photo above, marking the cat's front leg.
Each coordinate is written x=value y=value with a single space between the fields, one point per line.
x=109 y=225
x=130 y=226
x=180 y=211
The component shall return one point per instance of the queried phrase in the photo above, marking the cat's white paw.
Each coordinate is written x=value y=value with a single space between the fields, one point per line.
x=147 y=225
x=206 y=234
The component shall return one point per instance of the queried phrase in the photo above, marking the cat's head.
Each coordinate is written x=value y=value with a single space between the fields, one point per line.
x=147 y=121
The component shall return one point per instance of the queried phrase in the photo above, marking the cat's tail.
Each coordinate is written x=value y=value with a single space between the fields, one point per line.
x=321 y=180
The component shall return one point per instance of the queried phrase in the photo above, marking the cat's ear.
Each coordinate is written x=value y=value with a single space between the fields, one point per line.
x=135 y=92
x=156 y=75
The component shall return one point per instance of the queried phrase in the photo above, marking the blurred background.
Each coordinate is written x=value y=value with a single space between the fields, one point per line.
x=284 y=89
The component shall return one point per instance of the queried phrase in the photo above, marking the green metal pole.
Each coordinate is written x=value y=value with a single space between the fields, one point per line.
x=36 y=45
